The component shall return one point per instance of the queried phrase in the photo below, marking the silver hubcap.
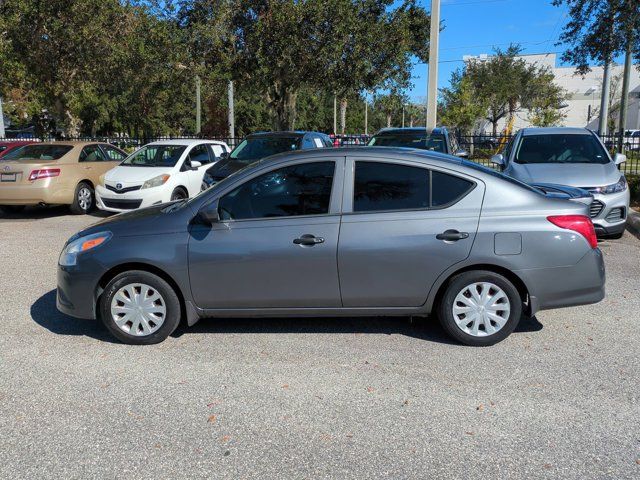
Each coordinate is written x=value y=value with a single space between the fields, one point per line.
x=138 y=309
x=84 y=198
x=481 y=309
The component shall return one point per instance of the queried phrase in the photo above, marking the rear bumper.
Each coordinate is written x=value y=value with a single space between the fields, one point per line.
x=579 y=284
x=47 y=191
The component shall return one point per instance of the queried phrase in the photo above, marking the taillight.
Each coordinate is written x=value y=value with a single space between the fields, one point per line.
x=44 y=173
x=577 y=223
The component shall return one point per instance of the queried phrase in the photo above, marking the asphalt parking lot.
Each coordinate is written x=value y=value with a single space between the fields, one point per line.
x=312 y=398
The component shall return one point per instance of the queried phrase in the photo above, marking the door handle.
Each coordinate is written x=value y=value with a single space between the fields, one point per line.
x=308 y=240
x=452 y=235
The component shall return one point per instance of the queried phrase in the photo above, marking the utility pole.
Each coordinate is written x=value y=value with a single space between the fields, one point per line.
x=604 y=101
x=403 y=115
x=366 y=114
x=625 y=95
x=335 y=114
x=198 y=110
x=2 y=132
x=232 y=127
x=432 y=91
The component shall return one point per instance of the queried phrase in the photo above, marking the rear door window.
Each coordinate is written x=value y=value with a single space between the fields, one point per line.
x=113 y=153
x=92 y=153
x=447 y=189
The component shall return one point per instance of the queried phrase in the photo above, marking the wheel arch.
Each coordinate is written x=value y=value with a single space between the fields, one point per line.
x=505 y=272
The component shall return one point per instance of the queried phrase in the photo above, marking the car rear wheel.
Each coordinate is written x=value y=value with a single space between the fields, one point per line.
x=140 y=308
x=83 y=199
x=480 y=308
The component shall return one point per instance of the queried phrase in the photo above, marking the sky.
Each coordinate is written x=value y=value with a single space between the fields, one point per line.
x=472 y=27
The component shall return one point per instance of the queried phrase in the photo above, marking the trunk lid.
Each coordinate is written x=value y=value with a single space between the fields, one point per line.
x=551 y=190
x=18 y=171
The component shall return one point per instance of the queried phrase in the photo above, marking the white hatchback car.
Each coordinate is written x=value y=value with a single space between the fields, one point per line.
x=157 y=173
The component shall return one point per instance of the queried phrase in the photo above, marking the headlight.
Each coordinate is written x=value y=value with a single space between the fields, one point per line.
x=101 y=179
x=70 y=253
x=156 y=181
x=619 y=186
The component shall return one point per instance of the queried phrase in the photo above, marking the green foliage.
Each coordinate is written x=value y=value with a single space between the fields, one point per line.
x=116 y=66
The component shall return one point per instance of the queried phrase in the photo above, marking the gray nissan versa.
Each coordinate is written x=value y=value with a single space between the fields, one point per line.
x=351 y=231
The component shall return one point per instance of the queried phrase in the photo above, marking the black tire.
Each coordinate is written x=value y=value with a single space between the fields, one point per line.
x=613 y=236
x=169 y=297
x=84 y=199
x=456 y=285
x=11 y=209
x=179 y=194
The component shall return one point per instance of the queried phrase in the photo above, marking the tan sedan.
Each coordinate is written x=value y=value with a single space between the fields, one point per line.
x=55 y=173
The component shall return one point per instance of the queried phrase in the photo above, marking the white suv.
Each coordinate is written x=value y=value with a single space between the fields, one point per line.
x=157 y=173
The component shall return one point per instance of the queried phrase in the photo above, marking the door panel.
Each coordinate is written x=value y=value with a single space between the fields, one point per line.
x=255 y=264
x=391 y=259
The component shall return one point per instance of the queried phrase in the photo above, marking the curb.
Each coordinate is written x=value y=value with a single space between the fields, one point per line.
x=633 y=222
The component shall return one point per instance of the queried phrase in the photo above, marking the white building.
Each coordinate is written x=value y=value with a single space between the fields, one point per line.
x=584 y=92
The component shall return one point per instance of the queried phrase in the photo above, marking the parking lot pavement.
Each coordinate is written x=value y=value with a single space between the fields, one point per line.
x=312 y=398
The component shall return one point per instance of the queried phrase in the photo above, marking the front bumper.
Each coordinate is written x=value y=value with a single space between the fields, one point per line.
x=610 y=212
x=124 y=202
x=567 y=286
x=76 y=294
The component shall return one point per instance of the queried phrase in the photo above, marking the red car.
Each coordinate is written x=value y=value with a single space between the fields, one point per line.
x=9 y=145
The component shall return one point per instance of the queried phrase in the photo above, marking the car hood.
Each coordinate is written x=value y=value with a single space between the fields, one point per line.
x=134 y=174
x=160 y=219
x=226 y=167
x=575 y=174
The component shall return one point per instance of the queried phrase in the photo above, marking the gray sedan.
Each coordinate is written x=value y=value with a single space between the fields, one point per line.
x=341 y=232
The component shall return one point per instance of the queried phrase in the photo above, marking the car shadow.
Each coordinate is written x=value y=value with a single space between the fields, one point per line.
x=45 y=314
x=39 y=212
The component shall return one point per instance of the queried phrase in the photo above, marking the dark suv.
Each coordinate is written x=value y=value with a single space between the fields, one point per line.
x=260 y=145
x=437 y=140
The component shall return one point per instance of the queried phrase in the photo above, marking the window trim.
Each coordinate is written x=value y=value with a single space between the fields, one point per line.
x=334 y=199
x=349 y=185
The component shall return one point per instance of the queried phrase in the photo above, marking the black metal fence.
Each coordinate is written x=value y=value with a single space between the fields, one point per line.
x=479 y=147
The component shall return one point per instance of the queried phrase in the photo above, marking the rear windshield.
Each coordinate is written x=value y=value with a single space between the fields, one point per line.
x=252 y=149
x=38 y=152
x=422 y=141
x=563 y=148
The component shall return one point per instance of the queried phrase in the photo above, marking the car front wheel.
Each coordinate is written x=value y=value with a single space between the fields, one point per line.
x=83 y=199
x=140 y=308
x=480 y=308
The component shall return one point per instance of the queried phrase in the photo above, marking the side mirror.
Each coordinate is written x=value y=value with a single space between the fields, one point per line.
x=619 y=158
x=195 y=164
x=209 y=213
x=462 y=153
x=498 y=159
x=224 y=155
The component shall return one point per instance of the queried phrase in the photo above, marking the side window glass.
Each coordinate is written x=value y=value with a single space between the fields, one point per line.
x=307 y=142
x=317 y=141
x=389 y=186
x=447 y=189
x=303 y=189
x=91 y=153
x=506 y=151
x=200 y=154
x=216 y=152
x=113 y=154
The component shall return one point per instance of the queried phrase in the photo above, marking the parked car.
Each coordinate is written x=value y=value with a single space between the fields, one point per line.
x=260 y=145
x=437 y=140
x=574 y=157
x=158 y=173
x=8 y=146
x=55 y=173
x=348 y=232
x=632 y=140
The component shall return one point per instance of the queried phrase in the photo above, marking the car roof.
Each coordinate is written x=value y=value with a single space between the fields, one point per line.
x=185 y=141
x=290 y=133
x=555 y=131
x=410 y=131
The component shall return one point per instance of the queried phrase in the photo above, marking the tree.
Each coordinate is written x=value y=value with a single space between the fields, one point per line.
x=598 y=30
x=461 y=107
x=506 y=84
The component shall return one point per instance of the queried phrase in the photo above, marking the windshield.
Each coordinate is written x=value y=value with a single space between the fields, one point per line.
x=252 y=149
x=38 y=152
x=563 y=148
x=155 y=156
x=423 y=141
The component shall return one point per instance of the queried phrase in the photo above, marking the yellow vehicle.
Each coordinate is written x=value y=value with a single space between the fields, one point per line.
x=55 y=173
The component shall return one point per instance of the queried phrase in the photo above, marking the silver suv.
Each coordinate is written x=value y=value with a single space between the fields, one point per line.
x=574 y=157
